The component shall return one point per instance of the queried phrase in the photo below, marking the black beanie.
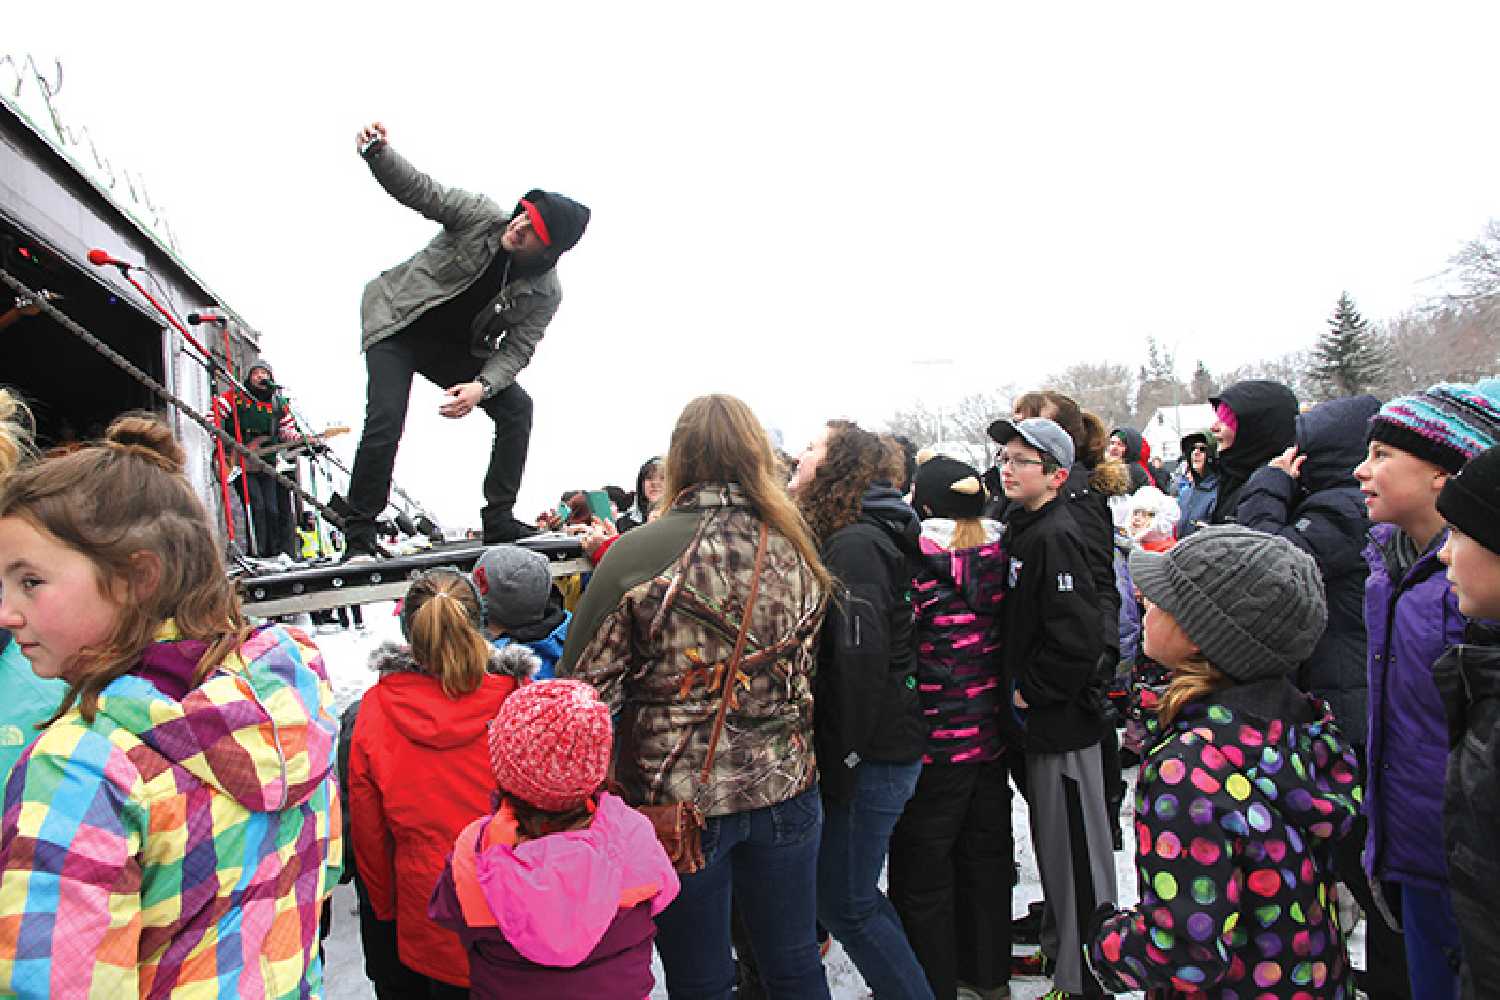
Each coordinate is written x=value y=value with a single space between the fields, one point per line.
x=946 y=487
x=1470 y=501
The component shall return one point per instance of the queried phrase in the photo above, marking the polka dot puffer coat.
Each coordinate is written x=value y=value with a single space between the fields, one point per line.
x=1238 y=809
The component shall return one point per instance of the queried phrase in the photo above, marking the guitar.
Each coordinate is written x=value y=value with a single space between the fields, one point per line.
x=265 y=451
x=301 y=442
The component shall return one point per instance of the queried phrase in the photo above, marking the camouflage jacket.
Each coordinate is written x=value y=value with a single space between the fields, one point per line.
x=654 y=632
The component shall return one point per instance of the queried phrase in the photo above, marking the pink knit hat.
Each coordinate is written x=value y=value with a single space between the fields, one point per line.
x=550 y=744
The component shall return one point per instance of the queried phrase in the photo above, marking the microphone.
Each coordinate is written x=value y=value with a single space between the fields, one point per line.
x=206 y=317
x=101 y=258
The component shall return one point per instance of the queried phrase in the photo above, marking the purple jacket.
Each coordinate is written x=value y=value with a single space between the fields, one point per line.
x=1410 y=623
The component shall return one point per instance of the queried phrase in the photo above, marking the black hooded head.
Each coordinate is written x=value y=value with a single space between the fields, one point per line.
x=1133 y=442
x=1267 y=415
x=557 y=219
x=1332 y=435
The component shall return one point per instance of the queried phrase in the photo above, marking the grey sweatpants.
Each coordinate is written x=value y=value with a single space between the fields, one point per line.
x=1070 y=834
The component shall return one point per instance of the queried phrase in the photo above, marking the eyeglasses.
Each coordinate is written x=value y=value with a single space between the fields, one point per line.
x=1016 y=463
x=1200 y=447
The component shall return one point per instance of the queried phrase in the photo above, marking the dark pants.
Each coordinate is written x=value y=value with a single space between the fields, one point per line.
x=389 y=367
x=1433 y=948
x=1385 y=976
x=766 y=859
x=1114 y=780
x=392 y=979
x=856 y=840
x=271 y=515
x=951 y=871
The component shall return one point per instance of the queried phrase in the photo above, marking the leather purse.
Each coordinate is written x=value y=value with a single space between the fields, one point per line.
x=679 y=825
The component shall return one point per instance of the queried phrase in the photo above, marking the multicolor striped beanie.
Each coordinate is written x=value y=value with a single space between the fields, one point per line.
x=1447 y=425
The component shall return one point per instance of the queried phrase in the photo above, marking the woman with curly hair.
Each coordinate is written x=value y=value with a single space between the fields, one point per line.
x=869 y=732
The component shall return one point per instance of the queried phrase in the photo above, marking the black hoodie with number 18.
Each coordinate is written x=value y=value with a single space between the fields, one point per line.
x=1052 y=641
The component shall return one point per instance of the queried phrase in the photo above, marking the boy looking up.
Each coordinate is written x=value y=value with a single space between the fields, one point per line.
x=1416 y=443
x=1053 y=647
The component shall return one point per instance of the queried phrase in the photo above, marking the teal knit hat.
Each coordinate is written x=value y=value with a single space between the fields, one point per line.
x=1447 y=425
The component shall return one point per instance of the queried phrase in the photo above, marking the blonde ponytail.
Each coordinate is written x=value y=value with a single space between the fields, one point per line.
x=444 y=635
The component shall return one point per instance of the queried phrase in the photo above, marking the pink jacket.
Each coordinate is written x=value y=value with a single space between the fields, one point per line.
x=565 y=913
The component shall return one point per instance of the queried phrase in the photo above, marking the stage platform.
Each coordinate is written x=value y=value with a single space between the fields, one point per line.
x=320 y=586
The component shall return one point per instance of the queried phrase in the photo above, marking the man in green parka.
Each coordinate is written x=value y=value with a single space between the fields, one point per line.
x=465 y=312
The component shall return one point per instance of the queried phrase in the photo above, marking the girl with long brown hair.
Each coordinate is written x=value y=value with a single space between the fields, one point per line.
x=419 y=773
x=655 y=635
x=183 y=793
x=870 y=732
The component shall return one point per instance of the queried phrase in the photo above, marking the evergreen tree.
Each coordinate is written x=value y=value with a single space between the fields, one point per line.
x=1158 y=384
x=1347 y=359
x=1203 y=384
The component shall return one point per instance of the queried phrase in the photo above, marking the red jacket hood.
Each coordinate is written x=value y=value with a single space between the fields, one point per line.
x=423 y=712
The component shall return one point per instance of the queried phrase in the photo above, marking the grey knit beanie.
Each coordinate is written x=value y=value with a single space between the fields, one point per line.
x=513 y=583
x=1253 y=603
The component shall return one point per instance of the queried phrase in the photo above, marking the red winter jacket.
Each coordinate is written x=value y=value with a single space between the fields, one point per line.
x=419 y=772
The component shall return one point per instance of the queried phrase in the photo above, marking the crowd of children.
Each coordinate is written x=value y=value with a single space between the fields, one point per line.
x=780 y=683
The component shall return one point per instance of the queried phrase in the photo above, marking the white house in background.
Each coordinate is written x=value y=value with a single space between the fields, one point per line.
x=1166 y=428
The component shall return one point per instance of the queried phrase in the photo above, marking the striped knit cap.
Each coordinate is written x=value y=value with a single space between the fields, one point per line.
x=1446 y=425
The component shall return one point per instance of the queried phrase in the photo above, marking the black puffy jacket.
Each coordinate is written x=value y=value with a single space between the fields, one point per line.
x=1468 y=678
x=1267 y=416
x=866 y=688
x=1323 y=514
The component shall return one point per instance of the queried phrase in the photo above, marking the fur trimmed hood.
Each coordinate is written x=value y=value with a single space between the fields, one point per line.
x=513 y=661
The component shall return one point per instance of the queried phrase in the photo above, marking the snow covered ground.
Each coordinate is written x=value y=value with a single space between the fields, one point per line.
x=347 y=655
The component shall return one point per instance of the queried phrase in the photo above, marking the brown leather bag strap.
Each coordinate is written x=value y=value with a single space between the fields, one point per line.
x=734 y=660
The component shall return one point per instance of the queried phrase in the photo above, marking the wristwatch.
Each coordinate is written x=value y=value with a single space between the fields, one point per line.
x=487 y=390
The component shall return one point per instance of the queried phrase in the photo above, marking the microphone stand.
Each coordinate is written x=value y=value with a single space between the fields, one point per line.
x=214 y=370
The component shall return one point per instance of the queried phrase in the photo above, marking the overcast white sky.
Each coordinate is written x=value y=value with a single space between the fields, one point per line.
x=796 y=202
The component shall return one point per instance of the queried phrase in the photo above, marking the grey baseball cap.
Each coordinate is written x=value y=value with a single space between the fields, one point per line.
x=1042 y=434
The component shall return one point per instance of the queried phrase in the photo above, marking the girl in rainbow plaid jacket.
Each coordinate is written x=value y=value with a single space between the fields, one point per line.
x=172 y=831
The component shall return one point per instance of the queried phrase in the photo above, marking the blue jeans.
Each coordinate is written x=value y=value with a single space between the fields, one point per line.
x=1432 y=943
x=766 y=860
x=856 y=838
